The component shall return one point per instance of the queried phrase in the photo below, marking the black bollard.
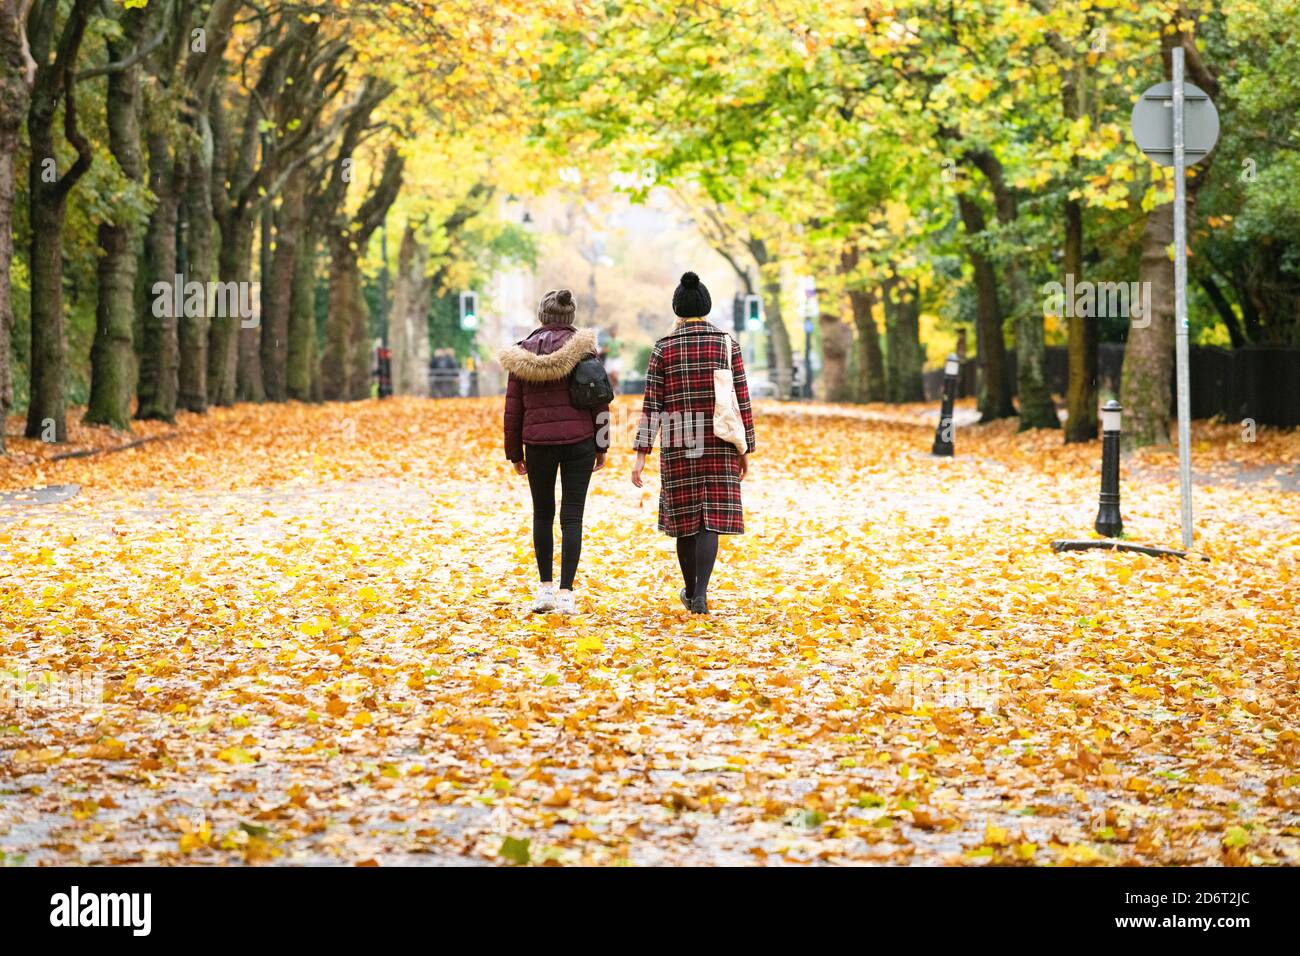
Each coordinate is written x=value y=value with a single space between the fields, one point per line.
x=943 y=433
x=1109 y=523
x=384 y=371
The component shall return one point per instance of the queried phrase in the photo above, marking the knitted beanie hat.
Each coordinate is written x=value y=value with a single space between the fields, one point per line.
x=691 y=299
x=557 y=308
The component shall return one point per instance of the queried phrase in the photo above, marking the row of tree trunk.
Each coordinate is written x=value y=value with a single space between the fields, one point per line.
x=16 y=74
x=222 y=169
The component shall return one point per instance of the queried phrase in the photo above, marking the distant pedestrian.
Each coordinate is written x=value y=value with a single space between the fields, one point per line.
x=445 y=373
x=546 y=434
x=700 y=475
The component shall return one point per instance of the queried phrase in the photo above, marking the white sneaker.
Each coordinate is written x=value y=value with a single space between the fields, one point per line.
x=544 y=599
x=565 y=604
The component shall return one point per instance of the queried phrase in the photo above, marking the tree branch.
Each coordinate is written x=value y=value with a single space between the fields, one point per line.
x=69 y=45
x=29 y=75
x=121 y=66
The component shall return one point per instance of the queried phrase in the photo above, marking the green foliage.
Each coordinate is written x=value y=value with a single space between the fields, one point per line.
x=820 y=124
x=807 y=129
x=1250 y=203
x=506 y=245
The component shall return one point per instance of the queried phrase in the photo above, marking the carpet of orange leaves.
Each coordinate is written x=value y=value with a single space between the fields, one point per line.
x=298 y=634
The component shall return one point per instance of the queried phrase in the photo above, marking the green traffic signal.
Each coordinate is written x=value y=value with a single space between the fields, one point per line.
x=469 y=310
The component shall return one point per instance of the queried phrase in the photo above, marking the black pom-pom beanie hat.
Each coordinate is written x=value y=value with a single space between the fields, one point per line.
x=691 y=298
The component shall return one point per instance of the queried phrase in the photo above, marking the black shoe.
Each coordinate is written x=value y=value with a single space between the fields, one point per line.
x=686 y=602
x=699 y=605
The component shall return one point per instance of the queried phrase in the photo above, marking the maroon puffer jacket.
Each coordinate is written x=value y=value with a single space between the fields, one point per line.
x=538 y=411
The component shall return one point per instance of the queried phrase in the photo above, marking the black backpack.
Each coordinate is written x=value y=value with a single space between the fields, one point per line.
x=589 y=385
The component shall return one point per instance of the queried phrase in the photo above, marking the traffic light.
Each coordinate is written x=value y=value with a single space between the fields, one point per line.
x=753 y=313
x=738 y=314
x=469 y=310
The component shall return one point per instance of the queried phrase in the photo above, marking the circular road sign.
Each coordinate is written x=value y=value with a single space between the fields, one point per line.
x=1153 y=123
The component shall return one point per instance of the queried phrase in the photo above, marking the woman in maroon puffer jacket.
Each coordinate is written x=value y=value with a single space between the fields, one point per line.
x=545 y=434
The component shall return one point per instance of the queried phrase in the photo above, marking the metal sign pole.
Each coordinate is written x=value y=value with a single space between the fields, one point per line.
x=1190 y=137
x=1180 y=300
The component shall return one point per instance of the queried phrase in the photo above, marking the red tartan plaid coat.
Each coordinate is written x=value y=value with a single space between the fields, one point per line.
x=700 y=473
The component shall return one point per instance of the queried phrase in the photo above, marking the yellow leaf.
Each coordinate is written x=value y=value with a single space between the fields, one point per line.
x=236 y=755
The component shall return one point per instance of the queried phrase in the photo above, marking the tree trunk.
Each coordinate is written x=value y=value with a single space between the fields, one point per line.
x=906 y=357
x=14 y=103
x=337 y=362
x=346 y=366
x=300 y=371
x=1221 y=305
x=408 y=328
x=248 y=377
x=912 y=364
x=892 y=349
x=1037 y=409
x=994 y=385
x=870 y=386
x=8 y=147
x=160 y=348
x=197 y=255
x=404 y=282
x=360 y=353
x=1147 y=379
x=277 y=288
x=112 y=356
x=837 y=340
x=234 y=266
x=200 y=267
x=238 y=166
x=870 y=383
x=1247 y=288
x=1081 y=391
x=46 y=411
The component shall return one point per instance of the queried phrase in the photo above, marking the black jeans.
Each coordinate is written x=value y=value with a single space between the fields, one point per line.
x=574 y=463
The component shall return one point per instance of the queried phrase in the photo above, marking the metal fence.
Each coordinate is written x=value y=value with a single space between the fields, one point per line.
x=452 y=383
x=1257 y=382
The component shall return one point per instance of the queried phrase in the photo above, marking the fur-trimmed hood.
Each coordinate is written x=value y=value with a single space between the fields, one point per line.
x=527 y=361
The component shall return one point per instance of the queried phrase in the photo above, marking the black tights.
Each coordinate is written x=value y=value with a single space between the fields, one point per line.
x=696 y=554
x=574 y=463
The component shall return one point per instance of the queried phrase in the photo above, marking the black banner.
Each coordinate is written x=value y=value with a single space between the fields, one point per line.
x=137 y=906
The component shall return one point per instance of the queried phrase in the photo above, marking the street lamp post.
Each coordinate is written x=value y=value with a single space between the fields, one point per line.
x=943 y=444
x=1109 y=523
x=810 y=313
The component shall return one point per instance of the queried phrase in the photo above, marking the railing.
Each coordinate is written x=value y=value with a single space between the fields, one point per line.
x=1257 y=382
x=452 y=383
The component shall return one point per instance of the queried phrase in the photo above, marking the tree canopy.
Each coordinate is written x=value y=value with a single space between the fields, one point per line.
x=931 y=167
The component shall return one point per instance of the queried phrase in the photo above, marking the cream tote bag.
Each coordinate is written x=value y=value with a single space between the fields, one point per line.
x=727 y=423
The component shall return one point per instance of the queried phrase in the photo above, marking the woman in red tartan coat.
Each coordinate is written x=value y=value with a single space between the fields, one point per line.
x=699 y=495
